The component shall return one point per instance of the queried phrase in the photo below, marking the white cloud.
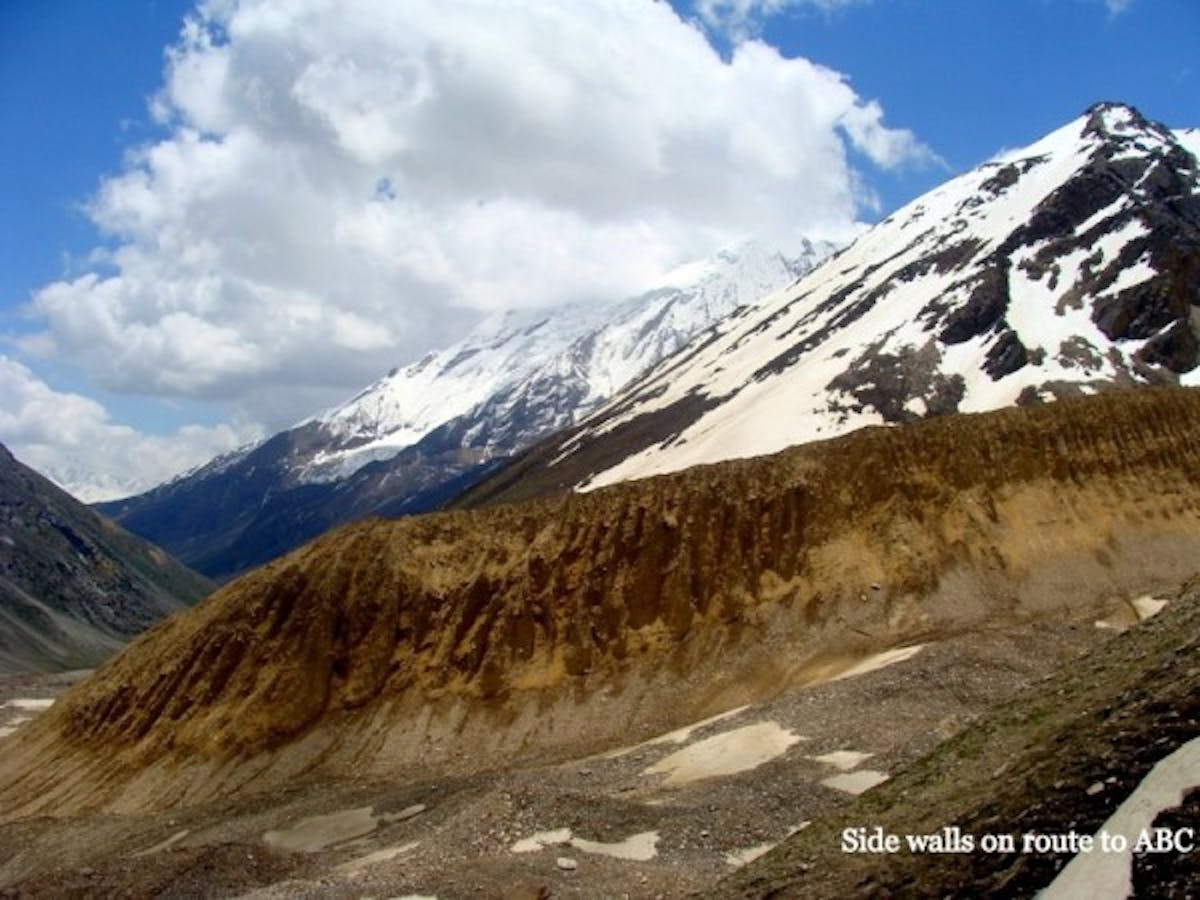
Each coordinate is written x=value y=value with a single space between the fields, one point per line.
x=71 y=440
x=1116 y=7
x=344 y=184
x=740 y=20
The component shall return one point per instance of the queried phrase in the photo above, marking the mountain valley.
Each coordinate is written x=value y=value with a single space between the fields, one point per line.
x=402 y=705
x=660 y=599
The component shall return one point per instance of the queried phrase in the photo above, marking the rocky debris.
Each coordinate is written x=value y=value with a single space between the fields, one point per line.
x=463 y=844
x=1058 y=759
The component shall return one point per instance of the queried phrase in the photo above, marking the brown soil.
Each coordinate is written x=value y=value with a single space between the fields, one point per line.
x=466 y=831
x=454 y=643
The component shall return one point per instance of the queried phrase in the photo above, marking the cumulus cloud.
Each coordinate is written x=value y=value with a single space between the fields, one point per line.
x=740 y=20
x=342 y=185
x=71 y=439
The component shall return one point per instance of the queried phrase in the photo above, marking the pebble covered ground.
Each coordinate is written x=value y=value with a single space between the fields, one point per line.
x=602 y=826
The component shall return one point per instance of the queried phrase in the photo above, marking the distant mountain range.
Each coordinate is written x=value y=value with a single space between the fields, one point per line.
x=1067 y=267
x=423 y=433
x=1063 y=268
x=74 y=587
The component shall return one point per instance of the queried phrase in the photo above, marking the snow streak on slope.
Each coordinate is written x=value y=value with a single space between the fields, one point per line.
x=522 y=374
x=1190 y=139
x=1066 y=267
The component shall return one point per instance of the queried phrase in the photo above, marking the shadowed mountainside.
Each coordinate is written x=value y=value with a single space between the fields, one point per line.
x=456 y=641
x=74 y=586
x=423 y=433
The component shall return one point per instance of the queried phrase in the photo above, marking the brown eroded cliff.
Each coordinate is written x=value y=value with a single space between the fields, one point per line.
x=470 y=640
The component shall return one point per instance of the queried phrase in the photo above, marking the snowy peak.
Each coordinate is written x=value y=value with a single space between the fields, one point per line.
x=425 y=432
x=1120 y=123
x=521 y=374
x=1065 y=267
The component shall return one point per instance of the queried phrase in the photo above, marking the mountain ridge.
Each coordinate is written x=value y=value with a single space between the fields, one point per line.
x=419 y=435
x=555 y=626
x=75 y=587
x=1067 y=267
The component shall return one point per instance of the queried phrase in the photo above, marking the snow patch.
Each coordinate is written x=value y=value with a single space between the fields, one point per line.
x=636 y=848
x=855 y=782
x=879 y=661
x=1101 y=875
x=163 y=845
x=678 y=736
x=1139 y=609
x=845 y=760
x=30 y=703
x=1147 y=606
x=725 y=754
x=541 y=840
x=1190 y=138
x=355 y=866
x=739 y=858
x=315 y=833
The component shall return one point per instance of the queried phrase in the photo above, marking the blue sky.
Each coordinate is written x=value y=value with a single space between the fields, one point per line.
x=937 y=86
x=75 y=77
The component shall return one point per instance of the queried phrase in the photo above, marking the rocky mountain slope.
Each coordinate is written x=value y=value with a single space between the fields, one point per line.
x=641 y=821
x=1067 y=267
x=443 y=643
x=74 y=587
x=424 y=432
x=1058 y=759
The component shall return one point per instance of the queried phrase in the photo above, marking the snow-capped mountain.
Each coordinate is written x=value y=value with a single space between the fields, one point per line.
x=416 y=436
x=520 y=375
x=1066 y=267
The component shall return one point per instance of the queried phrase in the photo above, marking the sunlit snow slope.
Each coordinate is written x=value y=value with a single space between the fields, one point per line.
x=520 y=375
x=1069 y=266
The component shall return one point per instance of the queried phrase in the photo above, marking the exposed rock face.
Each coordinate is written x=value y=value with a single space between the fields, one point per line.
x=74 y=587
x=530 y=630
x=1067 y=267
